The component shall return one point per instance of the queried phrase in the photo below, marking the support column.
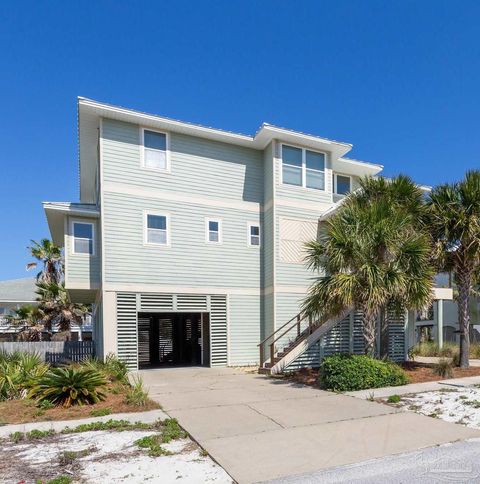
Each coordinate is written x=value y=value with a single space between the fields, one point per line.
x=440 y=323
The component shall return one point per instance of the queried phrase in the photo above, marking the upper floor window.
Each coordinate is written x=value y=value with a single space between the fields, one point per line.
x=155 y=150
x=82 y=238
x=303 y=168
x=213 y=231
x=254 y=234
x=343 y=184
x=157 y=229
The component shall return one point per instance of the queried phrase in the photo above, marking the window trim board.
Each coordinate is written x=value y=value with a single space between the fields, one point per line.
x=167 y=168
x=157 y=213
x=220 y=230
x=72 y=236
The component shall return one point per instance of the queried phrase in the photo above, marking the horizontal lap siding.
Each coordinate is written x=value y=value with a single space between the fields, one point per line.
x=80 y=267
x=189 y=260
x=198 y=166
x=244 y=329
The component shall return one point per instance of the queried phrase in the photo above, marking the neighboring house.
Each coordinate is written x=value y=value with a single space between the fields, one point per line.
x=189 y=239
x=21 y=292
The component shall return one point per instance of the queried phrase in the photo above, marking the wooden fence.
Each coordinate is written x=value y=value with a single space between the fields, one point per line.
x=53 y=351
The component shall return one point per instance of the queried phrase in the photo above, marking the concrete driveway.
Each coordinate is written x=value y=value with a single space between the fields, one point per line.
x=260 y=428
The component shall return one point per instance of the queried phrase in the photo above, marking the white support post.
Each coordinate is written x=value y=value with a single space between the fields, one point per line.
x=440 y=323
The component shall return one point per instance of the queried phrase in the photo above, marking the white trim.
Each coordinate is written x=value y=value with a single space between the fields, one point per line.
x=335 y=183
x=74 y=221
x=249 y=235
x=167 y=168
x=173 y=196
x=147 y=212
x=304 y=168
x=207 y=230
x=162 y=288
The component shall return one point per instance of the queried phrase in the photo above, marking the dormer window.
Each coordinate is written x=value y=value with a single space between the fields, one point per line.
x=342 y=184
x=303 y=168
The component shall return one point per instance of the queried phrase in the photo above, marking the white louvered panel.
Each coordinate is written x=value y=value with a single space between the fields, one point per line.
x=191 y=302
x=218 y=330
x=337 y=340
x=143 y=341
x=156 y=302
x=396 y=336
x=127 y=329
x=358 y=342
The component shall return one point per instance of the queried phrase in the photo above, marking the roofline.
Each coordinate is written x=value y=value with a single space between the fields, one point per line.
x=265 y=133
x=62 y=207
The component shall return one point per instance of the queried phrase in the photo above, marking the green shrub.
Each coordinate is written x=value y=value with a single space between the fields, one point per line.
x=444 y=368
x=136 y=394
x=394 y=399
x=18 y=372
x=70 y=386
x=112 y=368
x=341 y=372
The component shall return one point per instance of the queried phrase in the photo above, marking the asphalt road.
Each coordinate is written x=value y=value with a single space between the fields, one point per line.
x=457 y=462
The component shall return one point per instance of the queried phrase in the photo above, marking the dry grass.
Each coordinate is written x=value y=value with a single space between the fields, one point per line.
x=23 y=411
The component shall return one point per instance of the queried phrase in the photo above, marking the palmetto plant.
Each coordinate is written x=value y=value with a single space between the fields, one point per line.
x=373 y=252
x=454 y=211
x=57 y=308
x=70 y=386
x=51 y=257
x=28 y=320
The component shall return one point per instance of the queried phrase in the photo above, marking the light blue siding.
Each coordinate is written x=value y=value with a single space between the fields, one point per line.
x=82 y=268
x=244 y=329
x=198 y=166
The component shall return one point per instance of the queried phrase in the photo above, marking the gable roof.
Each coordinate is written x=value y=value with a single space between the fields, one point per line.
x=18 y=290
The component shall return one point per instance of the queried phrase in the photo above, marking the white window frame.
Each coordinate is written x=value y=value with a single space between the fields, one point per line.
x=249 y=235
x=220 y=230
x=335 y=183
x=167 y=150
x=72 y=234
x=145 y=228
x=304 y=168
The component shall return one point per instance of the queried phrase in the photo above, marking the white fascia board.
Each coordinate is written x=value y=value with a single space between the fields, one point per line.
x=348 y=166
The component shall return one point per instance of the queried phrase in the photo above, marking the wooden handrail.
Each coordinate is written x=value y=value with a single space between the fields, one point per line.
x=281 y=327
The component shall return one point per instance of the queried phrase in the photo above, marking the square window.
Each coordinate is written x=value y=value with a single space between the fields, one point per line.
x=343 y=184
x=157 y=229
x=82 y=238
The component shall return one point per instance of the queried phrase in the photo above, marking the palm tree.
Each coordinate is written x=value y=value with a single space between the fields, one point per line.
x=454 y=210
x=56 y=307
x=373 y=252
x=28 y=319
x=51 y=257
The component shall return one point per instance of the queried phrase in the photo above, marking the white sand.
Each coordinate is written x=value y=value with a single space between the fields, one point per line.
x=461 y=405
x=114 y=457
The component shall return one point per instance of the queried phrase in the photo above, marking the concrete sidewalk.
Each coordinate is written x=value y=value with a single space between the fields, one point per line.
x=260 y=428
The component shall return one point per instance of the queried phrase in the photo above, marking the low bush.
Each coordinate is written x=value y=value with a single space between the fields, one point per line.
x=342 y=372
x=136 y=394
x=394 y=399
x=444 y=368
x=430 y=348
x=112 y=368
x=70 y=386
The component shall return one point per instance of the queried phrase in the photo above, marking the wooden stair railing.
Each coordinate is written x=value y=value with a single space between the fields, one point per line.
x=295 y=324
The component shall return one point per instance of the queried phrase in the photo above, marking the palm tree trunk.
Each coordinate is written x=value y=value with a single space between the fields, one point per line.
x=464 y=283
x=369 y=332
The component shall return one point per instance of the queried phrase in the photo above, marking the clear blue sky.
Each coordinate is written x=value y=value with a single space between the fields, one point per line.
x=398 y=79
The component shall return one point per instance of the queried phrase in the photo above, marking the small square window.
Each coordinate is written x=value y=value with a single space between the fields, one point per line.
x=254 y=235
x=155 y=150
x=157 y=229
x=213 y=228
x=82 y=238
x=342 y=185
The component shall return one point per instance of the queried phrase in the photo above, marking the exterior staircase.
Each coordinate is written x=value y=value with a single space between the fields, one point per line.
x=298 y=334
